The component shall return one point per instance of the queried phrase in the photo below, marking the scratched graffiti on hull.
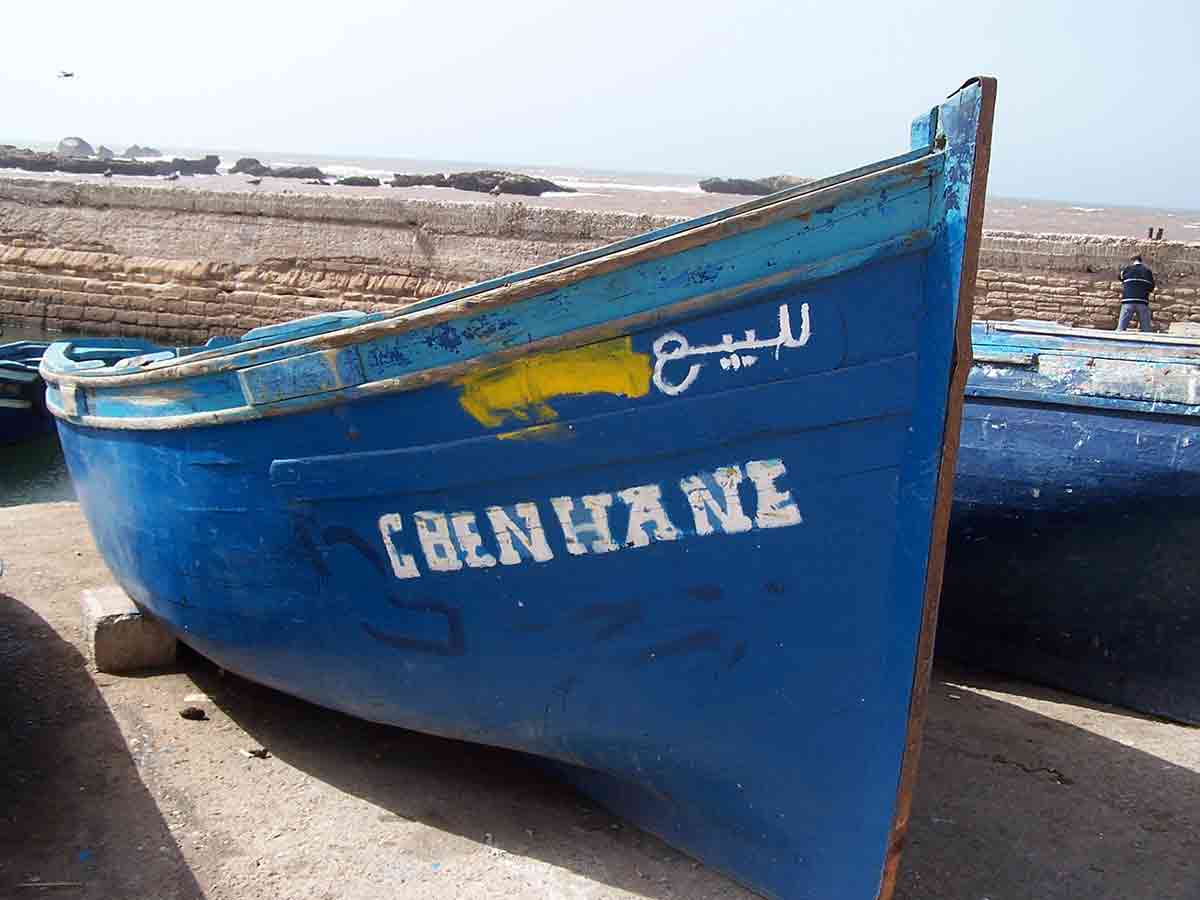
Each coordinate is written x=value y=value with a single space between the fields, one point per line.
x=517 y=534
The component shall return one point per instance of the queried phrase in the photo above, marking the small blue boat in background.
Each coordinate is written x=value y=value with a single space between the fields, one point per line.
x=23 y=413
x=1074 y=555
x=670 y=513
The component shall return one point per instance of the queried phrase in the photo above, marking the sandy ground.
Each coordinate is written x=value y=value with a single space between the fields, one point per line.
x=106 y=792
x=1003 y=213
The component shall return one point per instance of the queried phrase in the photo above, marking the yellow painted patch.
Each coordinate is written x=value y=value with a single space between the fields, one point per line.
x=535 y=432
x=521 y=390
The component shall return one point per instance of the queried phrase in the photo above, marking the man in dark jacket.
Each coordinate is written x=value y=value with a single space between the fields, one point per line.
x=1137 y=281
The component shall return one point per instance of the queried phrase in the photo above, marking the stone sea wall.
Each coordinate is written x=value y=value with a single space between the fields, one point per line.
x=1072 y=279
x=180 y=265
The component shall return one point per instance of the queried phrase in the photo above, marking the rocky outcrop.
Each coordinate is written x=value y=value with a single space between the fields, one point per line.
x=358 y=181
x=403 y=181
x=251 y=166
x=33 y=161
x=755 y=187
x=103 y=152
x=484 y=182
x=141 y=152
x=74 y=146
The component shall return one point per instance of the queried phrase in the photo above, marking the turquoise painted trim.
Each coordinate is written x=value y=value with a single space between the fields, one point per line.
x=1084 y=347
x=301 y=376
x=923 y=131
x=892 y=176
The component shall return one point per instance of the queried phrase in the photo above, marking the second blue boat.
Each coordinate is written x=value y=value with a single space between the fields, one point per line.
x=23 y=413
x=1075 y=540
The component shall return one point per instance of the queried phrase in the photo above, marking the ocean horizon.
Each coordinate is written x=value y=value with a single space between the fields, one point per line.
x=664 y=193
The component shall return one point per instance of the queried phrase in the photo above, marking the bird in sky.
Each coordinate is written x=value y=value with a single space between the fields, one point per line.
x=64 y=74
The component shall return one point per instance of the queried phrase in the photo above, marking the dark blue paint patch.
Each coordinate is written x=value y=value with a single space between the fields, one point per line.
x=340 y=534
x=612 y=618
x=383 y=355
x=739 y=653
x=453 y=645
x=444 y=337
x=697 y=641
x=706 y=593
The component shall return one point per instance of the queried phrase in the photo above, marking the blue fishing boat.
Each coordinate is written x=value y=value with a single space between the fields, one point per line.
x=23 y=412
x=1073 y=557
x=669 y=514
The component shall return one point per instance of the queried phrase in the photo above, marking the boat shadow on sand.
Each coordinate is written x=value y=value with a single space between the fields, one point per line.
x=1027 y=791
x=74 y=813
x=1011 y=802
x=492 y=796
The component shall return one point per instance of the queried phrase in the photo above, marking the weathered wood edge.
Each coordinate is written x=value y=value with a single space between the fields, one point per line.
x=961 y=367
x=501 y=297
x=1135 y=337
x=1162 y=408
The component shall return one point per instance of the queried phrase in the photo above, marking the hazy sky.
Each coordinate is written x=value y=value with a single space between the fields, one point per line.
x=1095 y=103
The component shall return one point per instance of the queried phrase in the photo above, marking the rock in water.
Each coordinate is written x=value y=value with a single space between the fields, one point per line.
x=783 y=182
x=399 y=180
x=484 y=182
x=755 y=187
x=103 y=152
x=140 y=151
x=74 y=146
x=488 y=182
x=32 y=161
x=358 y=181
x=251 y=166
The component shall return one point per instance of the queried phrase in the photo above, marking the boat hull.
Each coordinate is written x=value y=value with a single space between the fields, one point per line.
x=23 y=421
x=635 y=661
x=23 y=413
x=1073 y=555
x=697 y=571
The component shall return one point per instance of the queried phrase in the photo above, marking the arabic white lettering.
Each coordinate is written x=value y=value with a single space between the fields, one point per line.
x=448 y=541
x=674 y=347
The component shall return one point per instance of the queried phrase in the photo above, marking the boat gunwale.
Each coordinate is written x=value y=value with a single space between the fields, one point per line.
x=231 y=358
x=1092 y=403
x=1110 y=354
x=910 y=242
x=1053 y=329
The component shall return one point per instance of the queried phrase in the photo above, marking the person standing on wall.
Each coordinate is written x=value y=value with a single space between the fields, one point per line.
x=1137 y=281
